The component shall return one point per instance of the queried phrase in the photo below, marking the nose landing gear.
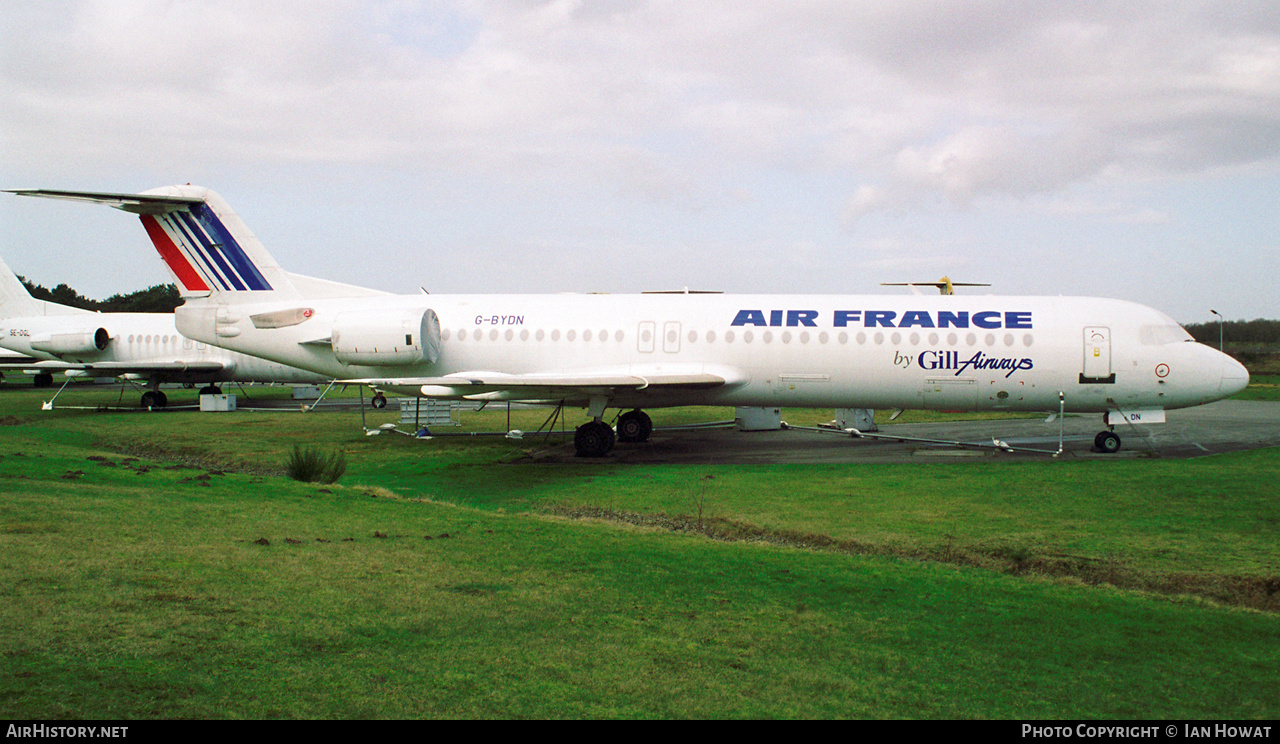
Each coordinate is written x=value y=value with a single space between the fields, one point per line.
x=1107 y=441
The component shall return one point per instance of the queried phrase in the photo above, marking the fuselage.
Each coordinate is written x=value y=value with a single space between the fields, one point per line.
x=870 y=351
x=137 y=339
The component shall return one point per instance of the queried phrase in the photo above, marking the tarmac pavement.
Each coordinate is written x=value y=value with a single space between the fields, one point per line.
x=1224 y=426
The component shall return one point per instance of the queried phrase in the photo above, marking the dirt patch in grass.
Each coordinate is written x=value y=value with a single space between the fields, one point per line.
x=193 y=457
x=1260 y=593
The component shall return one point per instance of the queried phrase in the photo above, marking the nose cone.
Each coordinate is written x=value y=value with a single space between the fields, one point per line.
x=1234 y=377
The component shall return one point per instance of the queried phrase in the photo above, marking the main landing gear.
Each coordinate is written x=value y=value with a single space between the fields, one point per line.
x=154 y=399
x=634 y=426
x=596 y=438
x=593 y=439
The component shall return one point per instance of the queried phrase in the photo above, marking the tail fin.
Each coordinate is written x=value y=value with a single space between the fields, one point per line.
x=208 y=249
x=17 y=302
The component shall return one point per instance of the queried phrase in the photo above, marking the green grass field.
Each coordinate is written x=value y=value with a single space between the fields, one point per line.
x=1261 y=387
x=159 y=566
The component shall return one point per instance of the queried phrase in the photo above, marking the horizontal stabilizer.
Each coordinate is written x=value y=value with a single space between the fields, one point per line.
x=136 y=203
x=944 y=285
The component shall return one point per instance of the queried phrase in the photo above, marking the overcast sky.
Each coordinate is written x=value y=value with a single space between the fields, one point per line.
x=1121 y=149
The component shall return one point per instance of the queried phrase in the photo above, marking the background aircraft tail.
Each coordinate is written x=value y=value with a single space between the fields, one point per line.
x=209 y=250
x=17 y=302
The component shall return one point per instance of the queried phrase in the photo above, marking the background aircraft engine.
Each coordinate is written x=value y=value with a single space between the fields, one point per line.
x=72 y=342
x=386 y=337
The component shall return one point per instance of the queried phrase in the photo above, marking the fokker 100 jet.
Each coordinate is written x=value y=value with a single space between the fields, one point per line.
x=635 y=352
x=145 y=347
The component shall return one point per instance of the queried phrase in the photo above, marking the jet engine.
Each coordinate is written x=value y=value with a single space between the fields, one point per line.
x=386 y=337
x=72 y=342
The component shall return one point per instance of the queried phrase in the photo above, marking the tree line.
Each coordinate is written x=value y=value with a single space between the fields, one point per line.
x=161 y=298
x=1259 y=331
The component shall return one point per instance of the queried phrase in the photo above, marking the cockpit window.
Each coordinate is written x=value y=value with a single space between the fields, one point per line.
x=1158 y=335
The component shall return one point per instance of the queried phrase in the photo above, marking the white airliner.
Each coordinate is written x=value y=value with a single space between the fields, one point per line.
x=140 y=346
x=1124 y=360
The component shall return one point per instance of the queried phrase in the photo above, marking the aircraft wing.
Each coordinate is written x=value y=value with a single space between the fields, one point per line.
x=538 y=387
x=116 y=368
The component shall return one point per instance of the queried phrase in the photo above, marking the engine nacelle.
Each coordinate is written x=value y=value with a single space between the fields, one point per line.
x=72 y=342
x=386 y=337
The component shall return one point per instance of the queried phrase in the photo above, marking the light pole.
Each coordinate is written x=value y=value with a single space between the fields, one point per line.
x=1215 y=312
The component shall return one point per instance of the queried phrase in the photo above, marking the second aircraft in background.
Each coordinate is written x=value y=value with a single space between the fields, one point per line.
x=144 y=347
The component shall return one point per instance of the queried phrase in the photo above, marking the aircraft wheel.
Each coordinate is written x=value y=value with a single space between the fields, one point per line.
x=634 y=426
x=593 y=439
x=1107 y=441
x=210 y=390
x=379 y=401
x=154 y=399
x=43 y=380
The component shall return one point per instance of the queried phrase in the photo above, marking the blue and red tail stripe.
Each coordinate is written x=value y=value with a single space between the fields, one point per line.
x=202 y=252
x=178 y=263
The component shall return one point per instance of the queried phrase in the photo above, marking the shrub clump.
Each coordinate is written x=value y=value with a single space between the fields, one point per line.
x=313 y=466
